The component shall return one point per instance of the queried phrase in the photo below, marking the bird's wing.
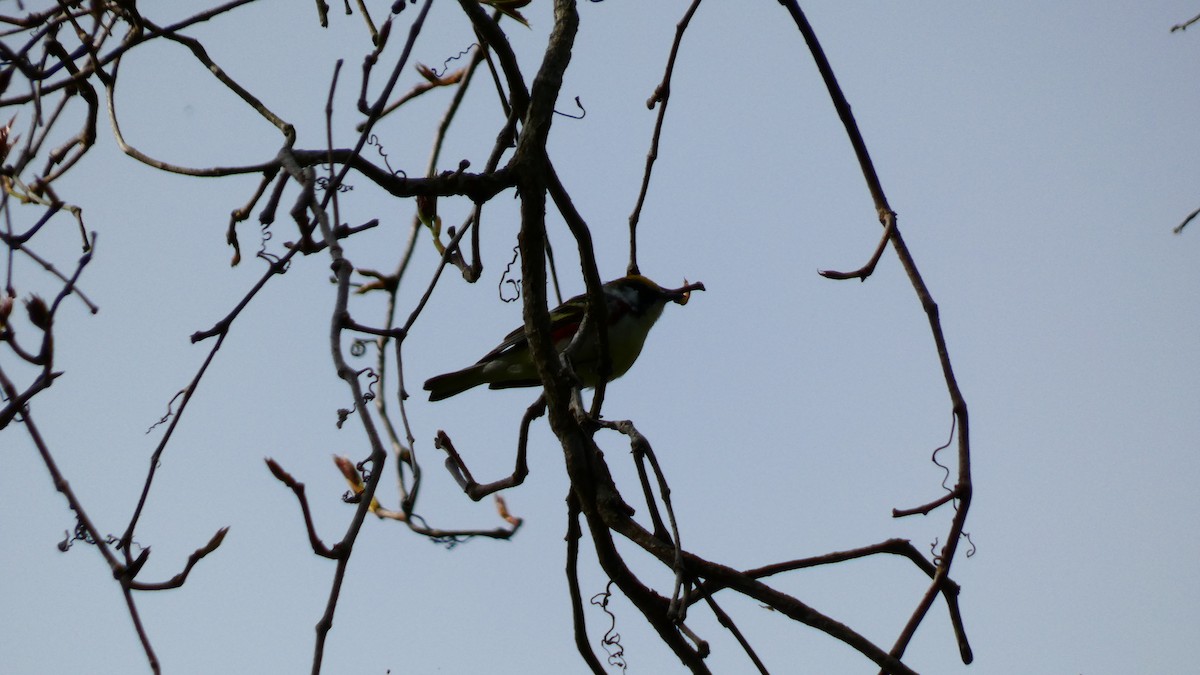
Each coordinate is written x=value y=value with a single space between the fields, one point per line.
x=564 y=321
x=513 y=340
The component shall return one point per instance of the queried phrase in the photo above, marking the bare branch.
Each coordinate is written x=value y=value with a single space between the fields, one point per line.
x=661 y=96
x=178 y=580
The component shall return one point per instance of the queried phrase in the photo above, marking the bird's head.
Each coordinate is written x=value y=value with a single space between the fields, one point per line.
x=640 y=293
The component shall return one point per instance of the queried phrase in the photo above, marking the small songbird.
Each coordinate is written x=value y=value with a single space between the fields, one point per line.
x=634 y=304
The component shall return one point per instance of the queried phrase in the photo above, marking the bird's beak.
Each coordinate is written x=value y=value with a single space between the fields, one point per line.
x=682 y=294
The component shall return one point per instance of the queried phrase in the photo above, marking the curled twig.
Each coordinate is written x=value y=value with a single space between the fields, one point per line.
x=170 y=411
x=612 y=639
x=506 y=279
x=582 y=111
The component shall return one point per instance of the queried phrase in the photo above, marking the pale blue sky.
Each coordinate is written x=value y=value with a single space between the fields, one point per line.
x=1038 y=157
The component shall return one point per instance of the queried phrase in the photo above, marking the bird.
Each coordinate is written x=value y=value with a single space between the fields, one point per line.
x=634 y=305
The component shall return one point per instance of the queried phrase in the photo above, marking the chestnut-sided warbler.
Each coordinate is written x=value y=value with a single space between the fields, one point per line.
x=634 y=304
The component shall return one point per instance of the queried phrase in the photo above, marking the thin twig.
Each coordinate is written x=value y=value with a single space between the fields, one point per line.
x=662 y=94
x=1185 y=24
x=1179 y=228
x=574 y=533
x=887 y=217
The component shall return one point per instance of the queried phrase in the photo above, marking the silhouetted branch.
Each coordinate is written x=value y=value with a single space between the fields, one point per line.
x=727 y=623
x=297 y=488
x=1179 y=228
x=178 y=580
x=866 y=270
x=660 y=97
x=60 y=81
x=1185 y=24
x=887 y=217
x=574 y=533
x=462 y=475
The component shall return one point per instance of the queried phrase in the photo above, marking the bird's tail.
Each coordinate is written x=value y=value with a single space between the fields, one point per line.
x=450 y=384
